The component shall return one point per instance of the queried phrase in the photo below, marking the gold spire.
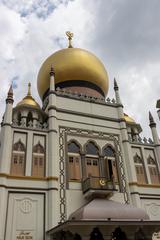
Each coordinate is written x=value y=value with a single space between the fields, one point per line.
x=70 y=36
x=29 y=89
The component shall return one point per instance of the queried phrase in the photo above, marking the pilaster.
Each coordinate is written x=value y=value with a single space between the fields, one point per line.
x=124 y=135
x=28 y=169
x=128 y=159
x=3 y=211
x=53 y=154
x=155 y=136
x=6 y=135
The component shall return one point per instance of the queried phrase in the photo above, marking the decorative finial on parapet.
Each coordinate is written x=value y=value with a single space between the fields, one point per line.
x=10 y=92
x=10 y=95
x=70 y=36
x=29 y=89
x=52 y=72
x=115 y=85
x=151 y=120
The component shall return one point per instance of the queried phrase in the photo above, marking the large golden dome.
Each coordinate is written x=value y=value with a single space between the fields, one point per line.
x=73 y=64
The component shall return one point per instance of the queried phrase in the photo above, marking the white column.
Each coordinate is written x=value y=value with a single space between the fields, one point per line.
x=128 y=159
x=6 y=135
x=53 y=153
x=28 y=168
x=3 y=211
x=125 y=142
x=155 y=137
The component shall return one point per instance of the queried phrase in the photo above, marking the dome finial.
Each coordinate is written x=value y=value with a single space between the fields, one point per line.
x=70 y=36
x=29 y=89
x=115 y=85
x=151 y=119
x=52 y=72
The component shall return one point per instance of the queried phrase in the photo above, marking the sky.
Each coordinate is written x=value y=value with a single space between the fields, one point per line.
x=124 y=34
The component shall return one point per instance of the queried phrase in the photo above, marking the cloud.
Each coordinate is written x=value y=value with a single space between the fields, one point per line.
x=40 y=8
x=127 y=39
x=123 y=34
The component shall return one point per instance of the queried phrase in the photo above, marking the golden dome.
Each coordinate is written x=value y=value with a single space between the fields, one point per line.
x=28 y=100
x=128 y=119
x=73 y=64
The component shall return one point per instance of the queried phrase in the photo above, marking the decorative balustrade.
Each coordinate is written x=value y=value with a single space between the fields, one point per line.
x=36 y=125
x=82 y=96
x=98 y=184
x=140 y=140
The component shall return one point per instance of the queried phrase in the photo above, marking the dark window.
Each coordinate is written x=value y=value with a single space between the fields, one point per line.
x=137 y=159
x=15 y=160
x=29 y=118
x=109 y=151
x=19 y=146
x=88 y=162
x=91 y=149
x=73 y=147
x=150 y=160
x=38 y=148
x=19 y=118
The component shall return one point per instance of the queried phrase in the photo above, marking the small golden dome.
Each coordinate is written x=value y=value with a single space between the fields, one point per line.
x=73 y=64
x=128 y=119
x=28 y=100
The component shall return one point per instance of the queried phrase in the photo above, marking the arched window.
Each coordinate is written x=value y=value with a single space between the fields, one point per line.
x=18 y=159
x=92 y=160
x=141 y=178
x=38 y=160
x=110 y=166
x=19 y=119
x=153 y=170
x=74 y=161
x=133 y=135
x=29 y=119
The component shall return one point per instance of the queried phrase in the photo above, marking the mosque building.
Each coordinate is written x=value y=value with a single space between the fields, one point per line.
x=76 y=168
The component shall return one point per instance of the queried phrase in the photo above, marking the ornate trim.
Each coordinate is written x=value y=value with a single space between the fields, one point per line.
x=29 y=177
x=62 y=190
x=63 y=132
x=144 y=185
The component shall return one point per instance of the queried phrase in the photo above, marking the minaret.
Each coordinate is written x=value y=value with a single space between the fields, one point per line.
x=156 y=140
x=53 y=167
x=52 y=171
x=52 y=80
x=158 y=106
x=129 y=166
x=6 y=135
x=117 y=96
x=152 y=125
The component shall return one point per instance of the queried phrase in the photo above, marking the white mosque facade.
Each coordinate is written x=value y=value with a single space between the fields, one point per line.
x=76 y=168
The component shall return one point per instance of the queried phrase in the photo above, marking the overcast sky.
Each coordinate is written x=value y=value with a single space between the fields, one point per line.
x=124 y=34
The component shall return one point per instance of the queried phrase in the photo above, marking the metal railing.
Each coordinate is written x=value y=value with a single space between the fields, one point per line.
x=98 y=183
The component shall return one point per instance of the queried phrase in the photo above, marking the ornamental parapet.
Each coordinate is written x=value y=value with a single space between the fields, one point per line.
x=36 y=125
x=140 y=140
x=85 y=97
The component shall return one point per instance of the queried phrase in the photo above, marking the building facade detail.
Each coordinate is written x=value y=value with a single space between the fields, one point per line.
x=77 y=167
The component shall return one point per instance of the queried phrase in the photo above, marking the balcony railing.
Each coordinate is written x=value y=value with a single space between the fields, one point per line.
x=98 y=183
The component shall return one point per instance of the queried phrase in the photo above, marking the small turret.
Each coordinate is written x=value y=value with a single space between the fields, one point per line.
x=151 y=120
x=52 y=80
x=153 y=129
x=158 y=106
x=116 y=89
x=9 y=107
x=6 y=134
x=9 y=98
